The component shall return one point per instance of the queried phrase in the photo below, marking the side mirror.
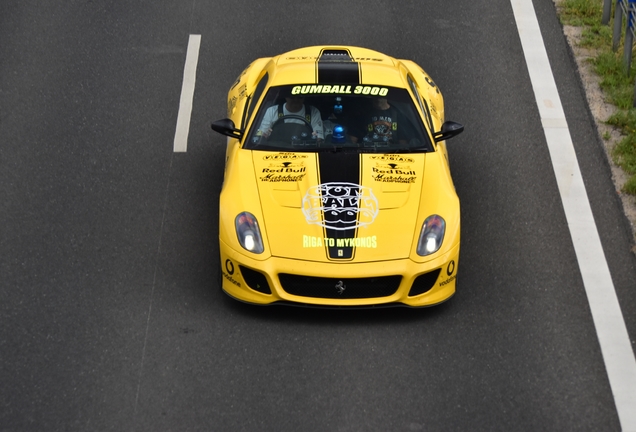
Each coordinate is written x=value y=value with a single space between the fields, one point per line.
x=449 y=130
x=226 y=127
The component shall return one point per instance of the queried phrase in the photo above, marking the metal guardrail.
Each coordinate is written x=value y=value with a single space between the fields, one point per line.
x=627 y=9
x=607 y=11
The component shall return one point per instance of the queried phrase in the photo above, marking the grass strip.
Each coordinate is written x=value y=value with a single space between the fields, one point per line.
x=617 y=85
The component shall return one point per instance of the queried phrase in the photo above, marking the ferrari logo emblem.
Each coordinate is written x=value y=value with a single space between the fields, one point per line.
x=340 y=287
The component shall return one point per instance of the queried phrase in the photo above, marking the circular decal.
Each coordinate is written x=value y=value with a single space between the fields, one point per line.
x=229 y=266
x=340 y=206
x=451 y=268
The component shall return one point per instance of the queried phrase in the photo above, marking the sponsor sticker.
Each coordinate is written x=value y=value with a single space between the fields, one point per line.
x=450 y=269
x=340 y=206
x=285 y=155
x=339 y=89
x=228 y=272
x=284 y=171
x=316 y=58
x=359 y=242
x=447 y=281
x=392 y=158
x=231 y=103
x=393 y=173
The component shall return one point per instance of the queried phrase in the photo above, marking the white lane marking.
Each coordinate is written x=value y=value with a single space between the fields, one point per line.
x=608 y=319
x=187 y=94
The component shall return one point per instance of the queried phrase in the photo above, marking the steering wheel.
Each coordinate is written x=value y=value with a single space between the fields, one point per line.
x=284 y=131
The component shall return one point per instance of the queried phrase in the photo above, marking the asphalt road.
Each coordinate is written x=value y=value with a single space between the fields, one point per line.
x=110 y=313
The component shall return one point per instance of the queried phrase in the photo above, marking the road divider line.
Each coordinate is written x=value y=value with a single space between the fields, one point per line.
x=187 y=94
x=606 y=312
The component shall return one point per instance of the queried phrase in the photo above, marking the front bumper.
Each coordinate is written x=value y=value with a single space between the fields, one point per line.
x=397 y=282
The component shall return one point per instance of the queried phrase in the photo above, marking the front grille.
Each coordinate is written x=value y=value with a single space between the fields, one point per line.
x=339 y=288
x=255 y=280
x=424 y=282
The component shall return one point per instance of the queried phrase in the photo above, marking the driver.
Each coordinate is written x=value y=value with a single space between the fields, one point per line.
x=294 y=106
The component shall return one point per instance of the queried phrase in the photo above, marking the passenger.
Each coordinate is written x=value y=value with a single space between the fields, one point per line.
x=294 y=105
x=381 y=124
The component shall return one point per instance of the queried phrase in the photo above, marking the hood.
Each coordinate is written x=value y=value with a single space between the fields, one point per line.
x=345 y=207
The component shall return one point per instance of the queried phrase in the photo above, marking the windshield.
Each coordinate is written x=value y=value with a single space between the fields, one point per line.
x=313 y=117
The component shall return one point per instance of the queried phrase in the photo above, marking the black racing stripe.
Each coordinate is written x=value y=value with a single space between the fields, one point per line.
x=337 y=67
x=339 y=178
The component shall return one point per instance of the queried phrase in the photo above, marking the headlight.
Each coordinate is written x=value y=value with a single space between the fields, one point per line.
x=431 y=235
x=248 y=233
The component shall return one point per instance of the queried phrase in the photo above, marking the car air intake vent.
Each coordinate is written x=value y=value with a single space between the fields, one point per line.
x=255 y=280
x=424 y=282
x=336 y=66
x=335 y=55
x=345 y=288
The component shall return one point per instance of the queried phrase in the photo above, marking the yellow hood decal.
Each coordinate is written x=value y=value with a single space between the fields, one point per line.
x=345 y=210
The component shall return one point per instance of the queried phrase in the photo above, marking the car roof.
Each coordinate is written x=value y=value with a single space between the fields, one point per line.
x=335 y=64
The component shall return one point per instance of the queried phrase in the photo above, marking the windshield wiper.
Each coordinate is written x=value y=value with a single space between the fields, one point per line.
x=410 y=150
x=338 y=149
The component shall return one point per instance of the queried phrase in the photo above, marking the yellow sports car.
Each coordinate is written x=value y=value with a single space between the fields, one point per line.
x=337 y=190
